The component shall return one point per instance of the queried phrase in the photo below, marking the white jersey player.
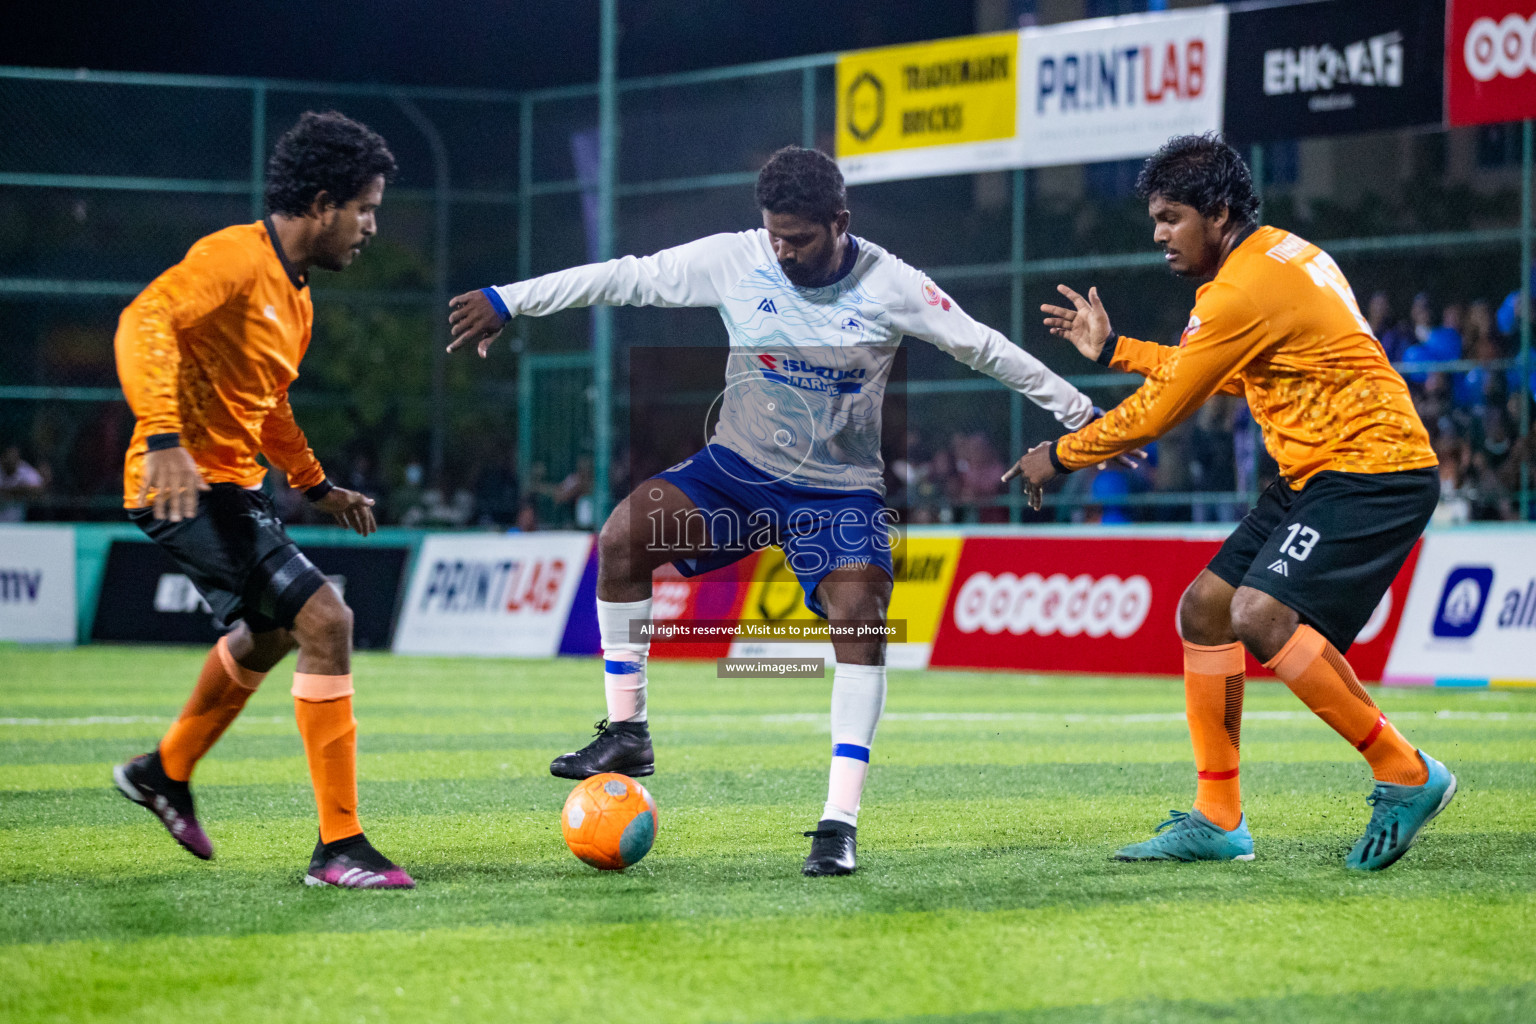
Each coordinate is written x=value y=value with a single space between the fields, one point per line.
x=814 y=315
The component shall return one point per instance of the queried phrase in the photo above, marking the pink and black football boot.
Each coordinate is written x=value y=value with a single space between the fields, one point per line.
x=353 y=863
x=144 y=781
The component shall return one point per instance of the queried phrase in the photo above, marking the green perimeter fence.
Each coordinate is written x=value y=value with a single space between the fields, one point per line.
x=107 y=178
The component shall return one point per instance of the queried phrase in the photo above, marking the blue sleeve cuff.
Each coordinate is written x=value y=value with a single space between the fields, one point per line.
x=495 y=299
x=1055 y=462
x=160 y=442
x=1107 y=353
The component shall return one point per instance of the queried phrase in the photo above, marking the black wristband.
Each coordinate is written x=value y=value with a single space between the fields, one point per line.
x=319 y=491
x=1107 y=353
x=160 y=442
x=1056 y=462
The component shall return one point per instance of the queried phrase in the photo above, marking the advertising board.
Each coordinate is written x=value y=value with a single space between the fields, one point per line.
x=492 y=594
x=37 y=584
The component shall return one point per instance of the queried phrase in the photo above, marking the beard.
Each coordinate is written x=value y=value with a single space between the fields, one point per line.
x=803 y=276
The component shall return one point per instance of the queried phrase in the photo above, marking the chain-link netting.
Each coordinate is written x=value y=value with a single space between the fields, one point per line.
x=106 y=180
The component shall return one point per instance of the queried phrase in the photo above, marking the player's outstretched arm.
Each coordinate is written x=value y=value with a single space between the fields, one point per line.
x=1085 y=325
x=686 y=275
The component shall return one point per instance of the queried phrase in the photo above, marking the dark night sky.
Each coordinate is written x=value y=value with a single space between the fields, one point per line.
x=509 y=44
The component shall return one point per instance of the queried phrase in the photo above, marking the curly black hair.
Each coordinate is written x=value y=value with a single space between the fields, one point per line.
x=328 y=153
x=1202 y=171
x=803 y=182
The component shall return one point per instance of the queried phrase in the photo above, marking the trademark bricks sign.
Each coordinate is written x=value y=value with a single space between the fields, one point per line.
x=1327 y=68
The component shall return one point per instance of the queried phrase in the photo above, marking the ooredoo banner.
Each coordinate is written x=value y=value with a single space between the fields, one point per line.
x=492 y=594
x=37 y=584
x=1490 y=61
x=1471 y=617
x=1323 y=68
x=1099 y=603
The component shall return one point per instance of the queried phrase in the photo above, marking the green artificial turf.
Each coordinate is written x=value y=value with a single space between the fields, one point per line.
x=985 y=893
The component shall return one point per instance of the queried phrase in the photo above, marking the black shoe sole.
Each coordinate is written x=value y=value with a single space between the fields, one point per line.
x=635 y=772
x=827 y=871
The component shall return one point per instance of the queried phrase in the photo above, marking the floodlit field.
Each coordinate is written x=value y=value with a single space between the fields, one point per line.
x=985 y=892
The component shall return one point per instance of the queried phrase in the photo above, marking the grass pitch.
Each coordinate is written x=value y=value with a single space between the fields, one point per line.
x=985 y=892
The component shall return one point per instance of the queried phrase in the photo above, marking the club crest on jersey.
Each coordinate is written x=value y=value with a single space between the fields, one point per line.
x=1189 y=330
x=797 y=373
x=767 y=306
x=933 y=296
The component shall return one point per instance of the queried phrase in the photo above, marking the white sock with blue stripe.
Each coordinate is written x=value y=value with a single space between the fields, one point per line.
x=858 y=698
x=623 y=661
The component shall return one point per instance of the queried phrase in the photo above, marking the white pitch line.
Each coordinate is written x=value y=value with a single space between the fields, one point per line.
x=126 y=720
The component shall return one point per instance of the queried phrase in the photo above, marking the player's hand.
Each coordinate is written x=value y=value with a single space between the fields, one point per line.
x=1085 y=325
x=173 y=475
x=1126 y=460
x=472 y=320
x=351 y=509
x=1036 y=469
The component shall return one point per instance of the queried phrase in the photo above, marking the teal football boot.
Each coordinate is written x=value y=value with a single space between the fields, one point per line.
x=1193 y=836
x=1399 y=814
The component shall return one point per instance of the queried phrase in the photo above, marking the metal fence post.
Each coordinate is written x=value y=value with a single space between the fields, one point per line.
x=439 y=313
x=258 y=151
x=1016 y=335
x=524 y=271
x=1525 y=317
x=602 y=320
x=808 y=107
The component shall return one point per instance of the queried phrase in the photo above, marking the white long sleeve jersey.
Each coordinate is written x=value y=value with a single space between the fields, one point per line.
x=807 y=369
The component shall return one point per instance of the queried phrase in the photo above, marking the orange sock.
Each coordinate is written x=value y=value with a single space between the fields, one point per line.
x=1213 y=702
x=222 y=689
x=1317 y=673
x=323 y=707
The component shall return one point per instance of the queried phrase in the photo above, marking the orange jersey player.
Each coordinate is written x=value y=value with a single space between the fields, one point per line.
x=1274 y=321
x=206 y=354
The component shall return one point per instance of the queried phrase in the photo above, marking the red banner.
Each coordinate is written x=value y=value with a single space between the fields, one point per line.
x=715 y=595
x=1490 y=61
x=1097 y=604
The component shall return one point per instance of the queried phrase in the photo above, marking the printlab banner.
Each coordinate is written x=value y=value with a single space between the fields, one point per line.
x=507 y=595
x=1116 y=88
x=37 y=584
x=1471 y=615
x=145 y=597
x=1325 y=68
x=1490 y=61
x=1104 y=89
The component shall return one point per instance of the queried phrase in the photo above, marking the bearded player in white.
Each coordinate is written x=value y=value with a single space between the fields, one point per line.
x=814 y=316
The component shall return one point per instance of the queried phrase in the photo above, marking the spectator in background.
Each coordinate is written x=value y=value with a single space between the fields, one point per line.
x=439 y=506
x=1421 y=316
x=361 y=474
x=527 y=519
x=1492 y=446
x=408 y=493
x=1441 y=343
x=1471 y=390
x=20 y=483
x=980 y=471
x=1393 y=335
x=933 y=494
x=1455 y=507
x=498 y=496
x=575 y=492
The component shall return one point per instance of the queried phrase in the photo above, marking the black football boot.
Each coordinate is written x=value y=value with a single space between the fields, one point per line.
x=833 y=848
x=623 y=747
x=144 y=781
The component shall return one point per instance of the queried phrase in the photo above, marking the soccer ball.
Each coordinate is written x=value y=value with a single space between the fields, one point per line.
x=609 y=821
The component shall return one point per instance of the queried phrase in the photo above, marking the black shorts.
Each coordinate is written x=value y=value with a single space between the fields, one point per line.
x=237 y=554
x=1329 y=551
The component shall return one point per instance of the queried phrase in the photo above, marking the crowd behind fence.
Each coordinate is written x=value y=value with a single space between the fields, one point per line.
x=107 y=178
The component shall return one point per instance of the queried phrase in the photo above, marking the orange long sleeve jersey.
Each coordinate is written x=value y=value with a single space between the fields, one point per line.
x=1279 y=325
x=206 y=354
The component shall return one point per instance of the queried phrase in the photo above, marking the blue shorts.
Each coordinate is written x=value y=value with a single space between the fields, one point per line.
x=745 y=509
